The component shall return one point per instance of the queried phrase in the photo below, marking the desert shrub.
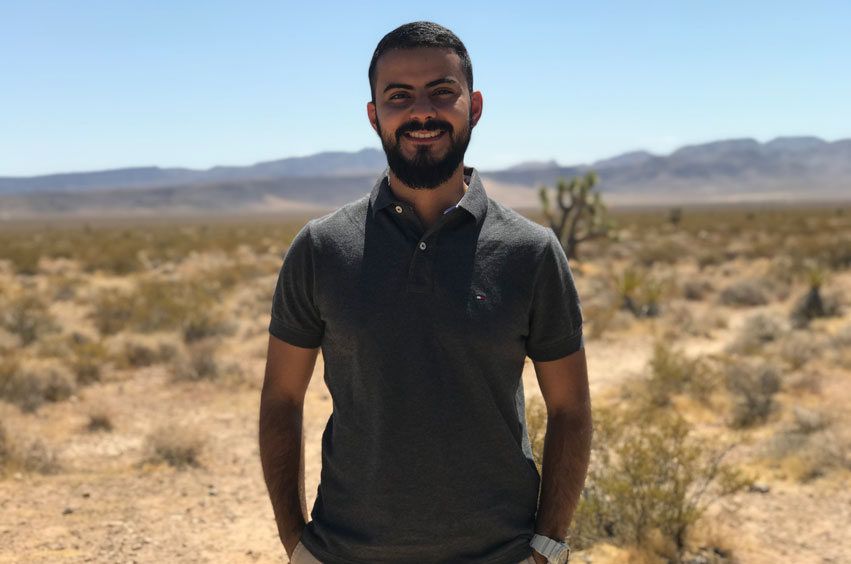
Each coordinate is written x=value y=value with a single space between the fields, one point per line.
x=87 y=359
x=672 y=372
x=27 y=317
x=807 y=455
x=695 y=289
x=648 y=474
x=710 y=257
x=752 y=386
x=665 y=251
x=757 y=331
x=799 y=347
x=745 y=292
x=99 y=421
x=203 y=324
x=27 y=456
x=35 y=456
x=5 y=449
x=638 y=293
x=813 y=305
x=199 y=364
x=157 y=305
x=178 y=447
x=808 y=421
x=29 y=388
x=112 y=311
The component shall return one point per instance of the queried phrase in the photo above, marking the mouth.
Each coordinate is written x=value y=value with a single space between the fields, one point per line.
x=423 y=135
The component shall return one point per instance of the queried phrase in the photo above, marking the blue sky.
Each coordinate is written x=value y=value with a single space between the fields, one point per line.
x=90 y=85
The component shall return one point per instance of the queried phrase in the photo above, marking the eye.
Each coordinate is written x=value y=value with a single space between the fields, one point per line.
x=398 y=95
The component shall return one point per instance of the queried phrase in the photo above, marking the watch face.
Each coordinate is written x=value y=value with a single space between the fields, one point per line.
x=562 y=558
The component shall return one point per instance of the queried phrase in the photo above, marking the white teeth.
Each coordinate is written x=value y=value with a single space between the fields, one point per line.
x=424 y=134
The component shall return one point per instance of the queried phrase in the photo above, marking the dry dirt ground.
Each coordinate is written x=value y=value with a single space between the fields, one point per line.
x=107 y=502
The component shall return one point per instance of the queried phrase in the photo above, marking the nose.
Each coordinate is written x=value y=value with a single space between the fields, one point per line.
x=422 y=108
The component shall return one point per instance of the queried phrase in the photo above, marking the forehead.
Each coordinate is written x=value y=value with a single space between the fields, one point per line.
x=417 y=66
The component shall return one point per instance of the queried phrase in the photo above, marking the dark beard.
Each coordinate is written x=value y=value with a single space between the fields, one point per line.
x=424 y=171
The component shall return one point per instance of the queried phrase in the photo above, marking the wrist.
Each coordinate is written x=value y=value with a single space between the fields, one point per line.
x=291 y=540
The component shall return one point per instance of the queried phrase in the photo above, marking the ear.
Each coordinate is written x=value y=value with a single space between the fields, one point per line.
x=370 y=112
x=476 y=106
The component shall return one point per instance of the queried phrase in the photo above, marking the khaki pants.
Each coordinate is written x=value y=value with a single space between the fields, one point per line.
x=302 y=556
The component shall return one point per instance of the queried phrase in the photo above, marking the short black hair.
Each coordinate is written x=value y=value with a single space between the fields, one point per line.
x=421 y=34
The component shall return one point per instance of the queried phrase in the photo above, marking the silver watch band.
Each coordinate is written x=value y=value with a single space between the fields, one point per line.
x=554 y=551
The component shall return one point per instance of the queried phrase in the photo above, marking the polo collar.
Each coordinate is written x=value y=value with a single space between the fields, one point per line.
x=474 y=201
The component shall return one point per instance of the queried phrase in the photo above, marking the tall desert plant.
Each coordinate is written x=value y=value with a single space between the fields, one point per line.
x=579 y=213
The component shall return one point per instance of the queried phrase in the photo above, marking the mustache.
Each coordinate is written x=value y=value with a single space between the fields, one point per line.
x=430 y=125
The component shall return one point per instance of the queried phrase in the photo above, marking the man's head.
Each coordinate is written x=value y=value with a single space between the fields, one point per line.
x=423 y=106
x=421 y=34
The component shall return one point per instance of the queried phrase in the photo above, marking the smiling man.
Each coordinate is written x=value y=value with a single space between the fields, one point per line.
x=425 y=298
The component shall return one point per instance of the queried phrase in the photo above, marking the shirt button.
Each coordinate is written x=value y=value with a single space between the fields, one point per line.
x=398 y=209
x=422 y=245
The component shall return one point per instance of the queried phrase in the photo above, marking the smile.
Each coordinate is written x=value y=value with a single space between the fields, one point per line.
x=422 y=134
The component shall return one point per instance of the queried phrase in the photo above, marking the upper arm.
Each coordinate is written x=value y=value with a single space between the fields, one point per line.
x=288 y=371
x=564 y=384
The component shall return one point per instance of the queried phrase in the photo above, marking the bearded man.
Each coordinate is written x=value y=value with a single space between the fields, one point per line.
x=425 y=298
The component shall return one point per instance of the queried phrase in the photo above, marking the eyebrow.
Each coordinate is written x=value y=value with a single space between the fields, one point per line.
x=444 y=80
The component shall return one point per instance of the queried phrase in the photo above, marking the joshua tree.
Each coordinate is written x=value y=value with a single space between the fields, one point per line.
x=675 y=215
x=580 y=215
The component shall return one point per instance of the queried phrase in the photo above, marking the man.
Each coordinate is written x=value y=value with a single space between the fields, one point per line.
x=426 y=297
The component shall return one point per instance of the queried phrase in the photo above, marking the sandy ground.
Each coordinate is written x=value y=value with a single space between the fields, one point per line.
x=106 y=507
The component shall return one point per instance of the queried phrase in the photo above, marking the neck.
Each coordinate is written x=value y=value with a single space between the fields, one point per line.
x=429 y=204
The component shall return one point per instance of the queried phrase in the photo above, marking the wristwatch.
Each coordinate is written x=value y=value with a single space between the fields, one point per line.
x=556 y=552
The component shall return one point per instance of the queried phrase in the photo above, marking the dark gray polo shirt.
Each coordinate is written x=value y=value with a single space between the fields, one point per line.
x=426 y=458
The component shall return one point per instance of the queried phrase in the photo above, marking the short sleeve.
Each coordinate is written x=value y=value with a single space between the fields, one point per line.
x=295 y=317
x=555 y=326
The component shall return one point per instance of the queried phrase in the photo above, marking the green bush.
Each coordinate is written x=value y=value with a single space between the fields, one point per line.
x=672 y=373
x=648 y=475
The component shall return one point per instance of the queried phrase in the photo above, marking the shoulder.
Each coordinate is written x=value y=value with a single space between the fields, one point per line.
x=513 y=229
x=340 y=225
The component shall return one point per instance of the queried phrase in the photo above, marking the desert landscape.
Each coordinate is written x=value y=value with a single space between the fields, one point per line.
x=718 y=342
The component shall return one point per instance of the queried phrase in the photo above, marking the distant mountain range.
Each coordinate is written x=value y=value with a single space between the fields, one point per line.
x=787 y=168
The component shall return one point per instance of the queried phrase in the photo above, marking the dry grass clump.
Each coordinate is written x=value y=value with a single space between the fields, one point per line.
x=134 y=351
x=199 y=364
x=758 y=331
x=26 y=316
x=87 y=359
x=746 y=292
x=799 y=347
x=31 y=386
x=26 y=456
x=752 y=386
x=696 y=289
x=176 y=446
x=807 y=450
